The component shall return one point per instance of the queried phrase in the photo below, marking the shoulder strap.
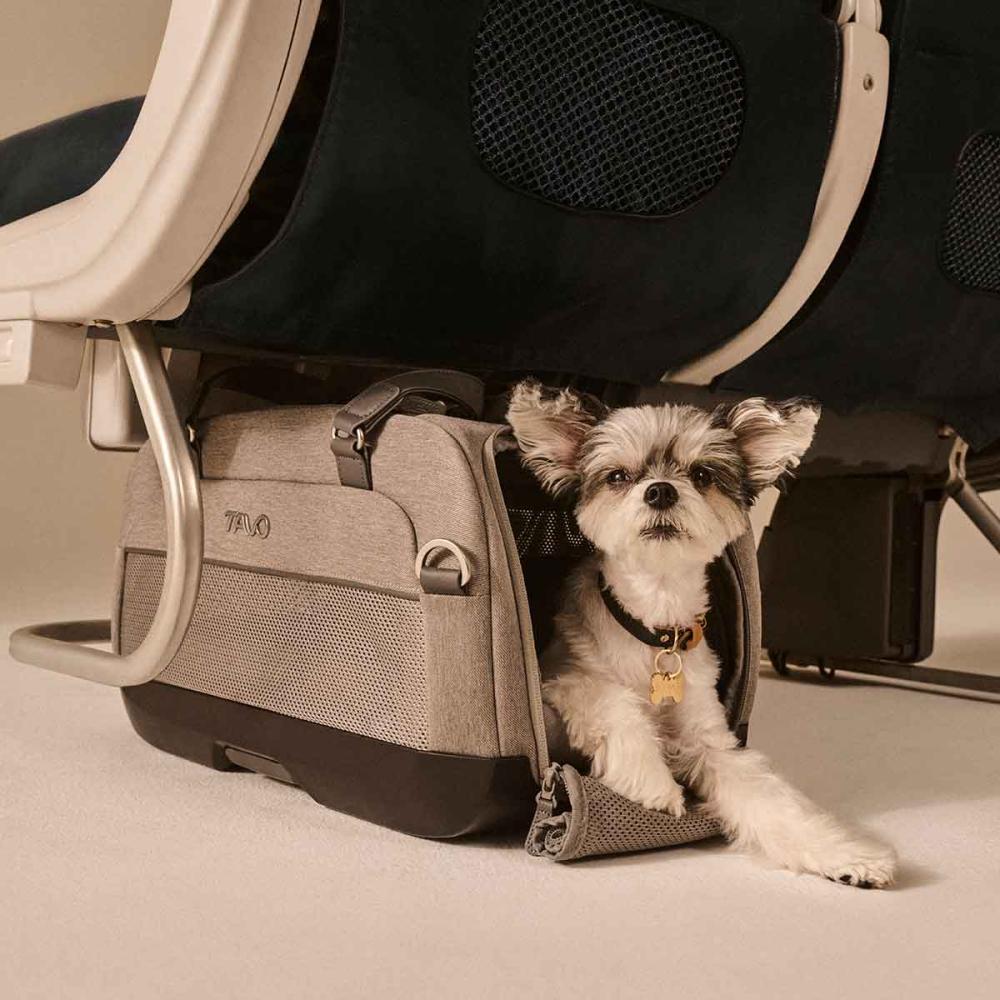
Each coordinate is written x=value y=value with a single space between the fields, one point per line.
x=356 y=423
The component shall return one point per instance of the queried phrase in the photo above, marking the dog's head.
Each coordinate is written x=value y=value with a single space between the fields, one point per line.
x=649 y=478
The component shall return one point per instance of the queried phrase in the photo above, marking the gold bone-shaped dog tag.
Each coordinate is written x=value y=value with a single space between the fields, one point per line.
x=667 y=686
x=663 y=687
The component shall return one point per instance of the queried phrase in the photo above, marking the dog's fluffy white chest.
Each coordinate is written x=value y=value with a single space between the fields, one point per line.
x=590 y=640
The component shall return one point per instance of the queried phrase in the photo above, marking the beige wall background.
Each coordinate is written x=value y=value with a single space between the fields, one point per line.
x=60 y=506
x=61 y=56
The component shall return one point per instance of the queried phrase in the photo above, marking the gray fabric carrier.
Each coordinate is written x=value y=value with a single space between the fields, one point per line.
x=313 y=622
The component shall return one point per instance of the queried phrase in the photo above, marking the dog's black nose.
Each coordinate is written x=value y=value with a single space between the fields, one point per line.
x=660 y=496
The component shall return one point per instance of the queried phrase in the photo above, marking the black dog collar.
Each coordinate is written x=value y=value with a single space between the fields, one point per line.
x=677 y=638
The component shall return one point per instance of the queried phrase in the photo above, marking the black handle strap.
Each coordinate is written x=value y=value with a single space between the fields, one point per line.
x=355 y=425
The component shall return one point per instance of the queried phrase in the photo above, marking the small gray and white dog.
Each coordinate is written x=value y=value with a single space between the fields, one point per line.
x=660 y=491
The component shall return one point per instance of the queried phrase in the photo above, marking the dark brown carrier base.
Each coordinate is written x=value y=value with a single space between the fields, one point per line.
x=425 y=794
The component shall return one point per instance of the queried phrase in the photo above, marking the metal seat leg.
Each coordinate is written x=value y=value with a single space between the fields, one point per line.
x=60 y=646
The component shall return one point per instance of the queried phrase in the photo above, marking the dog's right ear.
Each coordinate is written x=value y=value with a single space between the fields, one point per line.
x=550 y=426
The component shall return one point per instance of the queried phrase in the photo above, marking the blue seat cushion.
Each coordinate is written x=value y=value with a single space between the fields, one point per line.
x=61 y=159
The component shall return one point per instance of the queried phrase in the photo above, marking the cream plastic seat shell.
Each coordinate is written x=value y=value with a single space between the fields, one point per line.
x=126 y=251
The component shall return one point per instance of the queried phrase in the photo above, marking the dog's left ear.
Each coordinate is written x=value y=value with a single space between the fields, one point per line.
x=771 y=437
x=550 y=426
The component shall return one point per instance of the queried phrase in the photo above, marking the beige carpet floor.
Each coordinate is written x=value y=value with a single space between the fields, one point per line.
x=130 y=874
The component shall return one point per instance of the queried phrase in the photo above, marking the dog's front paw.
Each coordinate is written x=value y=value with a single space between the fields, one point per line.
x=660 y=793
x=669 y=800
x=865 y=864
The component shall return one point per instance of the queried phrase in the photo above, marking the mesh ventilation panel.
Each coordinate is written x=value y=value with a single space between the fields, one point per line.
x=616 y=825
x=611 y=105
x=970 y=248
x=325 y=652
x=585 y=818
x=541 y=533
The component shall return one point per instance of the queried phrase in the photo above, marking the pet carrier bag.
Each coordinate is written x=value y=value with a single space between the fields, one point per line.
x=375 y=579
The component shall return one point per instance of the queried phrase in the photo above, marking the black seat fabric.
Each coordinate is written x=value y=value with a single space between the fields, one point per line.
x=61 y=159
x=910 y=314
x=609 y=187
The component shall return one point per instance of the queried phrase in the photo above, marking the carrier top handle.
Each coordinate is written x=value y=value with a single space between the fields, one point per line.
x=58 y=646
x=357 y=421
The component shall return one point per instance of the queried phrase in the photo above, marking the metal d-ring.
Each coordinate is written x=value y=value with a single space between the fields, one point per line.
x=464 y=572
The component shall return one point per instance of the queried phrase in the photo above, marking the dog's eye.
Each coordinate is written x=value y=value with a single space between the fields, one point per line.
x=702 y=477
x=619 y=476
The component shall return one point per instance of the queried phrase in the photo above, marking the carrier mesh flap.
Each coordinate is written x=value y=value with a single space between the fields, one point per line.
x=318 y=650
x=605 y=104
x=548 y=532
x=970 y=248
x=579 y=817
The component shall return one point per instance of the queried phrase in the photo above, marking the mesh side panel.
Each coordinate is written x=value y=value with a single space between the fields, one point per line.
x=540 y=533
x=970 y=247
x=585 y=818
x=616 y=825
x=347 y=658
x=605 y=104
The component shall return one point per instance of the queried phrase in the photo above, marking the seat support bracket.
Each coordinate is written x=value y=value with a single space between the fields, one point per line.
x=967 y=497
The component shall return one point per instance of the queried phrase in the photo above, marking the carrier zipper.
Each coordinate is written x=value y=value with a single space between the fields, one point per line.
x=748 y=678
x=532 y=671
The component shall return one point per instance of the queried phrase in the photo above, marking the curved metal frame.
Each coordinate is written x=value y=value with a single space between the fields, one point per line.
x=864 y=92
x=58 y=646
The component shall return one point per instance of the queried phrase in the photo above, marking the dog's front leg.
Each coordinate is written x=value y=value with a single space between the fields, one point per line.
x=760 y=812
x=613 y=726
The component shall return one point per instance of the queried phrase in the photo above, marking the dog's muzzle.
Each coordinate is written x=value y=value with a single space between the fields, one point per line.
x=660 y=531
